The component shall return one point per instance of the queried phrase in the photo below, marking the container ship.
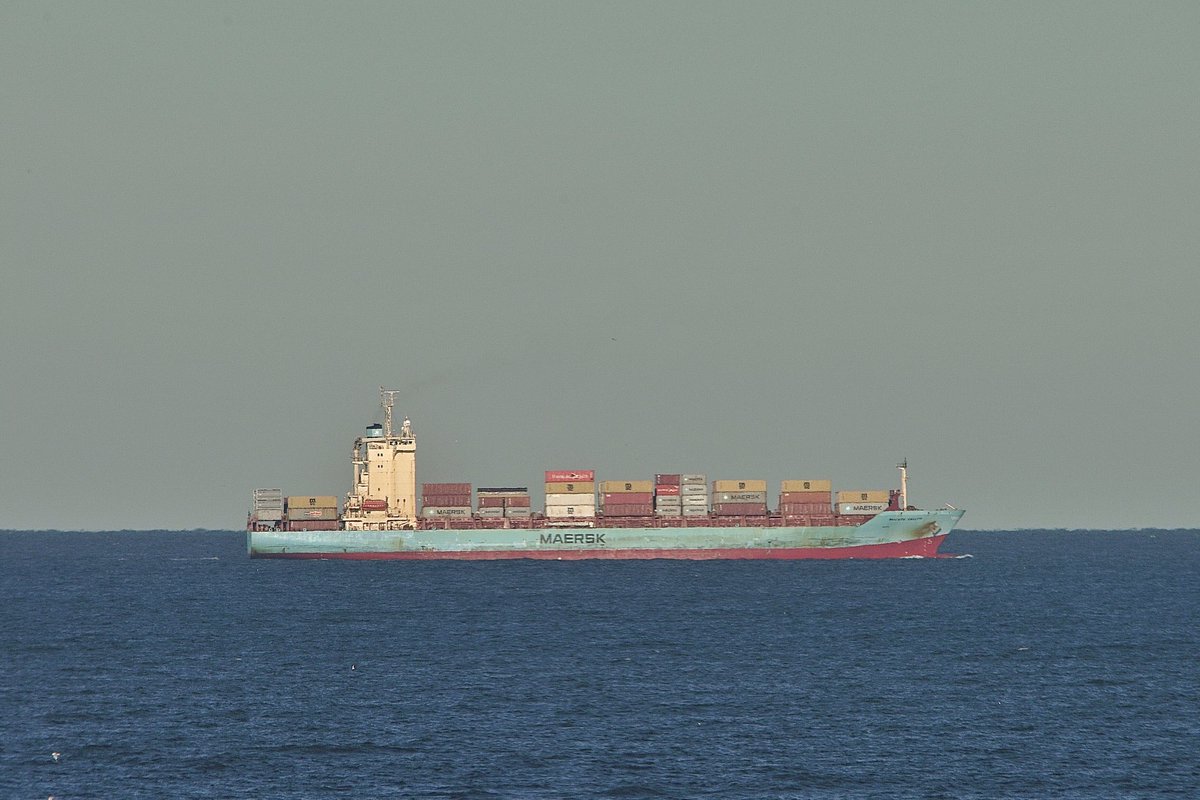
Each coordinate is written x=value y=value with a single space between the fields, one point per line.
x=674 y=515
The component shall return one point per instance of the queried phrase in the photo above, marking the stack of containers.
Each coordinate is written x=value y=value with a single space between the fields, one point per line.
x=627 y=498
x=312 y=513
x=801 y=498
x=865 y=502
x=268 y=505
x=666 y=496
x=446 y=500
x=693 y=495
x=570 y=494
x=508 y=502
x=741 y=498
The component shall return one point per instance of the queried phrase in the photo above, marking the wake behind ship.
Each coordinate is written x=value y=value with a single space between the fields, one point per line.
x=673 y=516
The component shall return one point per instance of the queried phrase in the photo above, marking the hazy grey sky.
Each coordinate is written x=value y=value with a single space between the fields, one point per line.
x=766 y=240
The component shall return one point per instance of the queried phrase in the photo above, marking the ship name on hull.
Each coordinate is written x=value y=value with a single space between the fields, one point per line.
x=571 y=538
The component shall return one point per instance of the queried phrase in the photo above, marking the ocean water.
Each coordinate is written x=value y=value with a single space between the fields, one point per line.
x=169 y=665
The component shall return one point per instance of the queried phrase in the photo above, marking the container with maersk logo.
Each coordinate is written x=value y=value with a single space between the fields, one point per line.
x=858 y=501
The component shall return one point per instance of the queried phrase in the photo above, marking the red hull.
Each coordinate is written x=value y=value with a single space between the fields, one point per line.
x=925 y=548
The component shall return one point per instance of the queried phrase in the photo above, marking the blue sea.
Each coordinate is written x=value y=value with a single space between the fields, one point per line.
x=169 y=665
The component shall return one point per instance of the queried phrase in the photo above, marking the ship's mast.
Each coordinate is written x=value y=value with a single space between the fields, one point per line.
x=903 y=467
x=387 y=399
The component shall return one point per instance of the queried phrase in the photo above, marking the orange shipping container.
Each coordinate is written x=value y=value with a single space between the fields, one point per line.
x=571 y=487
x=616 y=487
x=740 y=486
x=797 y=485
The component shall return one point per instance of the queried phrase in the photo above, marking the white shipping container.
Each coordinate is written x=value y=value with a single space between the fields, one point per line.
x=570 y=512
x=490 y=513
x=701 y=479
x=518 y=513
x=668 y=512
x=694 y=499
x=439 y=512
x=740 y=497
x=571 y=500
x=695 y=511
x=850 y=509
x=269 y=514
x=693 y=488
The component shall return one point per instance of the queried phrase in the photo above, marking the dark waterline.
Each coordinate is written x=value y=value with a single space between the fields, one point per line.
x=1048 y=665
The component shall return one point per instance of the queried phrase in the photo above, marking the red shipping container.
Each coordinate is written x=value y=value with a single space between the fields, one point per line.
x=805 y=509
x=629 y=510
x=664 y=489
x=491 y=502
x=627 y=498
x=806 y=497
x=516 y=502
x=740 y=509
x=565 y=475
x=666 y=480
x=445 y=488
x=446 y=500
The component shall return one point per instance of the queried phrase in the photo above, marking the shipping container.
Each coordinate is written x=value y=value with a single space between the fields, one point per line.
x=797 y=485
x=668 y=512
x=571 y=500
x=805 y=497
x=695 y=511
x=571 y=487
x=570 y=512
x=518 y=513
x=446 y=500
x=740 y=509
x=517 y=501
x=311 y=513
x=864 y=496
x=740 y=486
x=701 y=479
x=693 y=489
x=440 y=512
x=629 y=510
x=490 y=513
x=565 y=475
x=501 y=491
x=488 y=501
x=616 y=487
x=268 y=493
x=740 y=497
x=666 y=489
x=668 y=500
x=805 y=509
x=851 y=509
x=628 y=497
x=314 y=525
x=667 y=479
x=694 y=499
x=445 y=488
x=309 y=501
x=269 y=514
